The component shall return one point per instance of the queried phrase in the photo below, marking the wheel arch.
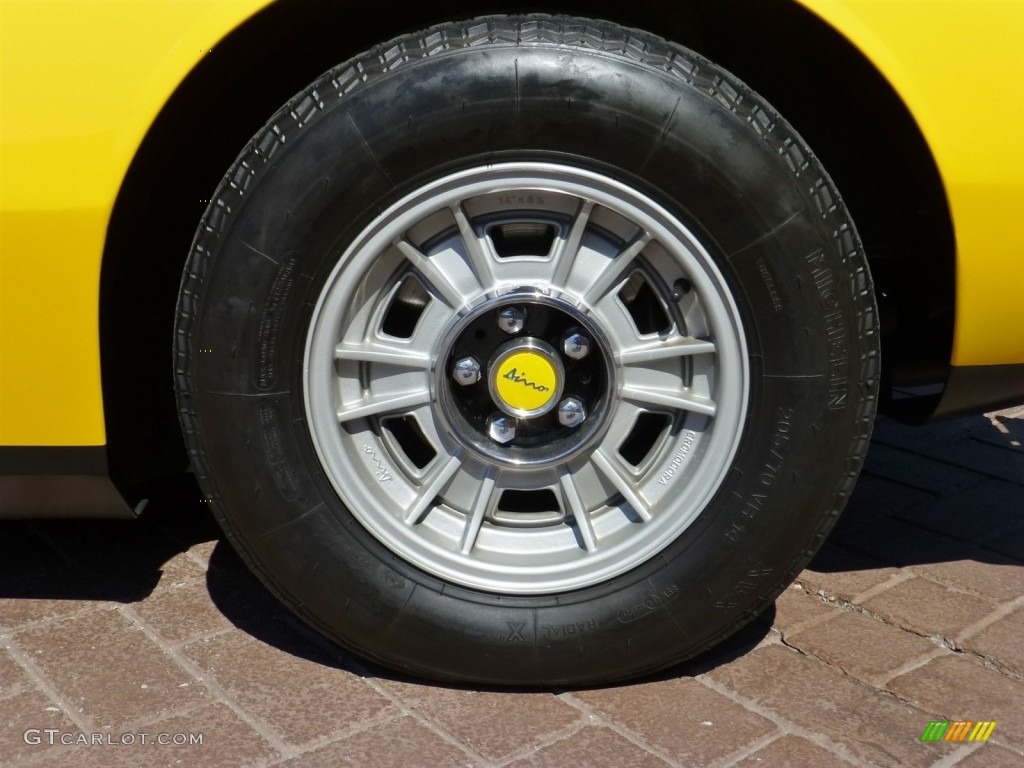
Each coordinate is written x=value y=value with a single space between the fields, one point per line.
x=824 y=86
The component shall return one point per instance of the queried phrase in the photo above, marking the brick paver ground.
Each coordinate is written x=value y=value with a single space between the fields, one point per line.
x=913 y=612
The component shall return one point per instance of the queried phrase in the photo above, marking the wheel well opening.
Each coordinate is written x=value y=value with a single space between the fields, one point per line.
x=881 y=164
x=843 y=107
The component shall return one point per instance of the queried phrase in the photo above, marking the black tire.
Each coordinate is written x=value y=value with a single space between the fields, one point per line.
x=617 y=104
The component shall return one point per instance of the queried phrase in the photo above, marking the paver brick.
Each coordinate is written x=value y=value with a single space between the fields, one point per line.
x=844 y=575
x=959 y=688
x=997 y=578
x=1008 y=543
x=794 y=609
x=591 y=747
x=789 y=751
x=303 y=700
x=898 y=543
x=989 y=455
x=24 y=711
x=876 y=497
x=178 y=568
x=111 y=684
x=225 y=740
x=59 y=584
x=824 y=700
x=684 y=718
x=936 y=518
x=992 y=756
x=862 y=646
x=919 y=471
x=892 y=432
x=204 y=550
x=495 y=725
x=13 y=679
x=988 y=510
x=1002 y=641
x=402 y=742
x=17 y=612
x=182 y=611
x=929 y=608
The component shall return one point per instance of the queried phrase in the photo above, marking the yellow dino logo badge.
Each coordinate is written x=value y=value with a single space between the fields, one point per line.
x=526 y=381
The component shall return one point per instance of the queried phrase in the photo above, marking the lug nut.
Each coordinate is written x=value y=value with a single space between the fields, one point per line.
x=512 y=319
x=466 y=371
x=576 y=346
x=502 y=429
x=570 y=412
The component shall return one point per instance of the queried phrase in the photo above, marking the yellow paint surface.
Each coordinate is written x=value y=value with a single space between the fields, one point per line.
x=81 y=82
x=959 y=67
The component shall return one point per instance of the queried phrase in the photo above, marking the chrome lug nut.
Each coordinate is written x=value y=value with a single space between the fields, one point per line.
x=466 y=371
x=570 y=412
x=512 y=319
x=502 y=429
x=576 y=346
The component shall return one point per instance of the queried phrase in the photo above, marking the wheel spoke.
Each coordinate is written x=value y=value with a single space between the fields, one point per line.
x=565 y=255
x=476 y=248
x=435 y=482
x=433 y=276
x=379 y=352
x=616 y=270
x=373 y=406
x=571 y=501
x=480 y=505
x=680 y=401
x=659 y=349
x=623 y=484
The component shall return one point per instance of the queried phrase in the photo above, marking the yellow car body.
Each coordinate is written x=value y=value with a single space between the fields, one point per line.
x=82 y=83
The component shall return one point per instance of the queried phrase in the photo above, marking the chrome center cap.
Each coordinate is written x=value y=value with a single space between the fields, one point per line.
x=526 y=377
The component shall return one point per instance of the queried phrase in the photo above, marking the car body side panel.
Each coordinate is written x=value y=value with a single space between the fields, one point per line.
x=958 y=67
x=69 y=127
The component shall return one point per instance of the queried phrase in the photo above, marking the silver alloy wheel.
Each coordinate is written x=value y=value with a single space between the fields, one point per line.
x=571 y=245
